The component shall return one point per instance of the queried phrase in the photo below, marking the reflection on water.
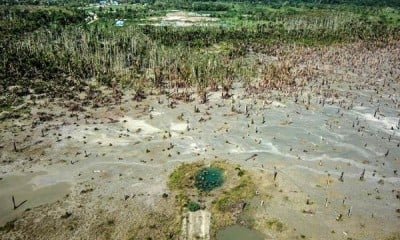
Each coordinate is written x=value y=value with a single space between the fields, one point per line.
x=22 y=189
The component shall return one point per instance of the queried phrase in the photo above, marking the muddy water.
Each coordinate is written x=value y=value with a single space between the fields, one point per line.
x=22 y=187
x=237 y=232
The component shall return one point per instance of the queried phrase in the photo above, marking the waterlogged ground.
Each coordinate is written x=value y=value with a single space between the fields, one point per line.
x=102 y=173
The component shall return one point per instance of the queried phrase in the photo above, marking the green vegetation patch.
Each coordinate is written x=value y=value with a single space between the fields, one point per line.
x=209 y=178
x=193 y=206
x=230 y=199
x=183 y=176
x=232 y=204
x=53 y=50
x=228 y=191
x=276 y=225
x=224 y=189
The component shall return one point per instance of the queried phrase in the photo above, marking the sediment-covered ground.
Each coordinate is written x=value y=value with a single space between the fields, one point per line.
x=101 y=173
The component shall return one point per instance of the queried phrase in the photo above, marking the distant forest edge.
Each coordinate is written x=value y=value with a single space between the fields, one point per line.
x=382 y=3
x=52 y=49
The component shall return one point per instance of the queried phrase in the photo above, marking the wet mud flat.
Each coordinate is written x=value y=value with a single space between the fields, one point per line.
x=331 y=151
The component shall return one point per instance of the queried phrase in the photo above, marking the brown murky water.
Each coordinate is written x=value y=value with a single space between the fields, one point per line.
x=22 y=188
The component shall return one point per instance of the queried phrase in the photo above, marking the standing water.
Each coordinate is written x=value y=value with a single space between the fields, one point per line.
x=209 y=178
x=237 y=232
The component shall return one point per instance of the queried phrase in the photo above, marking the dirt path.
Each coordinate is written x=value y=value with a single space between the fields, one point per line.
x=196 y=225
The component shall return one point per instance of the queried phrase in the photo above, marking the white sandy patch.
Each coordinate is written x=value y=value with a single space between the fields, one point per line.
x=155 y=113
x=335 y=135
x=368 y=176
x=139 y=126
x=196 y=225
x=133 y=130
x=346 y=146
x=261 y=152
x=196 y=148
x=106 y=140
x=49 y=180
x=103 y=136
x=360 y=108
x=383 y=123
x=278 y=104
x=188 y=145
x=271 y=148
x=181 y=18
x=325 y=157
x=266 y=147
x=179 y=127
x=215 y=97
x=237 y=150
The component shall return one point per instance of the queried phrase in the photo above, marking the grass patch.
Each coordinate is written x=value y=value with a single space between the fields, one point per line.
x=276 y=225
x=230 y=203
x=183 y=177
x=230 y=198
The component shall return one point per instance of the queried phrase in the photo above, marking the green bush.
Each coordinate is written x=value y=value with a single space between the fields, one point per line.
x=193 y=206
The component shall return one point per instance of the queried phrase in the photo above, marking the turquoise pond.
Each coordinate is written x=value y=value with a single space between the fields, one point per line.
x=209 y=178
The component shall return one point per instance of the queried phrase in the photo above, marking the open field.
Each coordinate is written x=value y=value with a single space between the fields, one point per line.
x=180 y=18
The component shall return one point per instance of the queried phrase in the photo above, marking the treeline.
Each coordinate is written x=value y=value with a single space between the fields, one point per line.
x=46 y=2
x=204 y=6
x=209 y=5
x=295 y=30
x=151 y=56
x=53 y=61
x=15 y=21
x=380 y=3
x=52 y=50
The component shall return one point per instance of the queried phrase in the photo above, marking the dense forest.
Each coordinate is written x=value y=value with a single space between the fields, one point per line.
x=48 y=46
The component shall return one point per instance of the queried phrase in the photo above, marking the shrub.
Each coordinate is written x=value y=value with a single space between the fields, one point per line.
x=193 y=206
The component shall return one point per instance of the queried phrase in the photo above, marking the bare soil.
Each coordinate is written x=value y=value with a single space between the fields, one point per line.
x=102 y=173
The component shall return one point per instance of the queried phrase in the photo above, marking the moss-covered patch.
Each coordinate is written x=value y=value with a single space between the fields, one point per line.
x=276 y=225
x=229 y=203
x=182 y=178
x=228 y=199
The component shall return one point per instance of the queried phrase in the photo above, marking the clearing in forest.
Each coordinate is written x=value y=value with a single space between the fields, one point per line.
x=183 y=19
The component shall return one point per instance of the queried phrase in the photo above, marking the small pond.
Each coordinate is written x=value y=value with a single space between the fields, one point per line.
x=209 y=178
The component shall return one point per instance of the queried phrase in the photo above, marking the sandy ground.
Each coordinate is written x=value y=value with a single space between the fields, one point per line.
x=180 y=18
x=101 y=173
x=196 y=225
